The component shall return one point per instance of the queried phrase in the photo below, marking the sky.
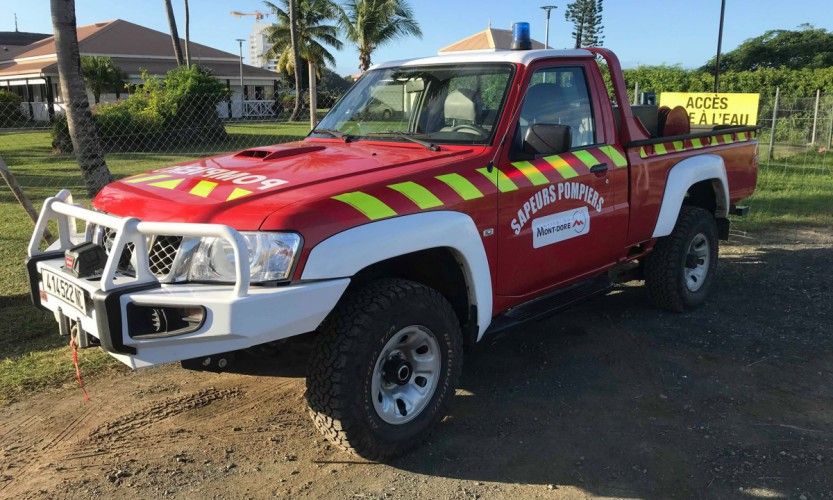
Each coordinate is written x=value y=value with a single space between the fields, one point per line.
x=639 y=31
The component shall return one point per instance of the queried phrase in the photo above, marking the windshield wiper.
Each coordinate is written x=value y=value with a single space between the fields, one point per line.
x=333 y=133
x=406 y=136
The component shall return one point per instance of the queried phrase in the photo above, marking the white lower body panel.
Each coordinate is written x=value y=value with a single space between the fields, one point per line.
x=231 y=323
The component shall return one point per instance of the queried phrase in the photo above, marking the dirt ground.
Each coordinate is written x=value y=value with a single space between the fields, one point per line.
x=611 y=398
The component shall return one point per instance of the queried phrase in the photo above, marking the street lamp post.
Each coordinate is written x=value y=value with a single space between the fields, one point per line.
x=242 y=89
x=547 y=9
x=719 y=43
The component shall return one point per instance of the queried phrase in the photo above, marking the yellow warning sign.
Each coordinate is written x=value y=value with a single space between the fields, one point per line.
x=715 y=109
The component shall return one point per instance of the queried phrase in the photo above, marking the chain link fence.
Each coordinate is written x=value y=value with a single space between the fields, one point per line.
x=137 y=135
x=797 y=131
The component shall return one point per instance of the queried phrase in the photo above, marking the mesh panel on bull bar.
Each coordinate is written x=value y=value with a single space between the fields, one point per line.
x=163 y=250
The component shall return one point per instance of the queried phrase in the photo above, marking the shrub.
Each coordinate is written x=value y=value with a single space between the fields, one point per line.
x=10 y=112
x=179 y=109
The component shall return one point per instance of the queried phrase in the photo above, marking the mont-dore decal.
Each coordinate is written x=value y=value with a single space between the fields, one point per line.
x=553 y=194
x=559 y=227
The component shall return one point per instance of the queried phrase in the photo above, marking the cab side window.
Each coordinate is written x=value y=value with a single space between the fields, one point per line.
x=559 y=96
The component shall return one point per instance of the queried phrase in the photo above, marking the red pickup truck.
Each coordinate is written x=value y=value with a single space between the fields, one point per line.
x=505 y=186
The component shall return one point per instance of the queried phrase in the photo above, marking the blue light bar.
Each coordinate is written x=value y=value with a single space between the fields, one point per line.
x=521 y=39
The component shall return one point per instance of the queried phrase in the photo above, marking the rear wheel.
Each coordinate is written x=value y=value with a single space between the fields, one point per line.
x=384 y=367
x=680 y=270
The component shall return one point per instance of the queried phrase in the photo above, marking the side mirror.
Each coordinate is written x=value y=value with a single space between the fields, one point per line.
x=547 y=139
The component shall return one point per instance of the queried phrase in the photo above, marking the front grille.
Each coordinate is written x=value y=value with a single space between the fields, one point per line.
x=108 y=236
x=161 y=256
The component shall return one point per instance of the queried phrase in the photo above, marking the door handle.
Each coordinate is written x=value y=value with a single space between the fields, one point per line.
x=599 y=168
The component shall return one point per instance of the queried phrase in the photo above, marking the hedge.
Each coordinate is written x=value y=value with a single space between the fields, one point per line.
x=179 y=109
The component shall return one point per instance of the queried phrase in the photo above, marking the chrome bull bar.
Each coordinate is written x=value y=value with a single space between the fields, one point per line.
x=61 y=209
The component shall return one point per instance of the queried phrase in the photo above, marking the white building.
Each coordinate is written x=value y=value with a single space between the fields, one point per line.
x=258 y=45
x=31 y=71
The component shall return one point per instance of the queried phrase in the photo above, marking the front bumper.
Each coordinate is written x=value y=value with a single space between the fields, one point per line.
x=235 y=316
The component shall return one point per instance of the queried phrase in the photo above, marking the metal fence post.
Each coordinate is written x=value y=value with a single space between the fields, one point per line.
x=815 y=117
x=774 y=118
x=830 y=132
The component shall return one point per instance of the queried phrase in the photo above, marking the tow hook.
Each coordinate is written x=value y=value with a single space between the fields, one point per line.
x=214 y=363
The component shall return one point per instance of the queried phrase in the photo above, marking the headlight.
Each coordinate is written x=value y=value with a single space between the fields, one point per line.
x=271 y=257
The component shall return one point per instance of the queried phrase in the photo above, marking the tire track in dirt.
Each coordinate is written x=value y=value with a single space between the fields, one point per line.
x=136 y=420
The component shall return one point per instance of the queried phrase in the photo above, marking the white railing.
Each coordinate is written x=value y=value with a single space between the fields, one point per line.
x=39 y=111
x=246 y=109
x=131 y=230
x=258 y=108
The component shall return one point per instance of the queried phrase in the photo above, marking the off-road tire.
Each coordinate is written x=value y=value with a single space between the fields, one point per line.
x=344 y=356
x=665 y=265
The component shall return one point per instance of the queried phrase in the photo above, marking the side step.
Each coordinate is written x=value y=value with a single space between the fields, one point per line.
x=549 y=304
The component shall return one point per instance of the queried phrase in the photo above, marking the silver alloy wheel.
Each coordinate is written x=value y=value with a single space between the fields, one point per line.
x=697 y=262
x=406 y=374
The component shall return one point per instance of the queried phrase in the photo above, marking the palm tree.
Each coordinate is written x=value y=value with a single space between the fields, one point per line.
x=82 y=131
x=370 y=24
x=312 y=37
x=169 y=10
x=100 y=74
x=187 y=34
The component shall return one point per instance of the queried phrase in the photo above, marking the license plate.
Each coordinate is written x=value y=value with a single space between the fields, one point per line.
x=64 y=290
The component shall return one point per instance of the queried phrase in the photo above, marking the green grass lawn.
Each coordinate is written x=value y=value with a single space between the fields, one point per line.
x=796 y=191
x=32 y=355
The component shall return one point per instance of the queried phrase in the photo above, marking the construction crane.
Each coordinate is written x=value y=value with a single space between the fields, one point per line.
x=258 y=15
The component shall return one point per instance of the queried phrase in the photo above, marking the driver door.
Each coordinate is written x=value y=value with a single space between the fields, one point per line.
x=558 y=216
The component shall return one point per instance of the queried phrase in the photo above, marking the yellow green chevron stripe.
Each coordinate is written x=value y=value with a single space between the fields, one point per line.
x=169 y=184
x=561 y=166
x=145 y=178
x=533 y=174
x=461 y=185
x=418 y=194
x=238 y=193
x=203 y=188
x=499 y=179
x=585 y=157
x=373 y=208
x=618 y=158
x=660 y=149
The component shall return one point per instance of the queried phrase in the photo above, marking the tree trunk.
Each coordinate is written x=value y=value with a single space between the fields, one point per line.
x=364 y=60
x=174 y=33
x=82 y=131
x=293 y=36
x=579 y=32
x=313 y=97
x=187 y=35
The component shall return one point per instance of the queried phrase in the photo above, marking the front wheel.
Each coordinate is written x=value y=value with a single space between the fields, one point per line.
x=680 y=270
x=384 y=367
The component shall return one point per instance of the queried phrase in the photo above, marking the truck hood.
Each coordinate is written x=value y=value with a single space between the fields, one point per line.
x=242 y=189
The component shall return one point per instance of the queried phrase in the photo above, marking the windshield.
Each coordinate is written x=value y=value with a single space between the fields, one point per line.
x=437 y=104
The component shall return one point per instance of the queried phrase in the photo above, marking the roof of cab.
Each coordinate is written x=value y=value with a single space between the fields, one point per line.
x=524 y=57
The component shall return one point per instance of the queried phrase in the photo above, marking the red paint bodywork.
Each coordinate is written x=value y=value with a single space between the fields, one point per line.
x=317 y=169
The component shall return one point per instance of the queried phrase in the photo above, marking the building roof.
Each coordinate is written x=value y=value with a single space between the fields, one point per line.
x=18 y=38
x=132 y=48
x=488 y=39
x=524 y=57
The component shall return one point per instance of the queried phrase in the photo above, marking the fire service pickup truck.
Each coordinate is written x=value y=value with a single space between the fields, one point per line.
x=511 y=184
